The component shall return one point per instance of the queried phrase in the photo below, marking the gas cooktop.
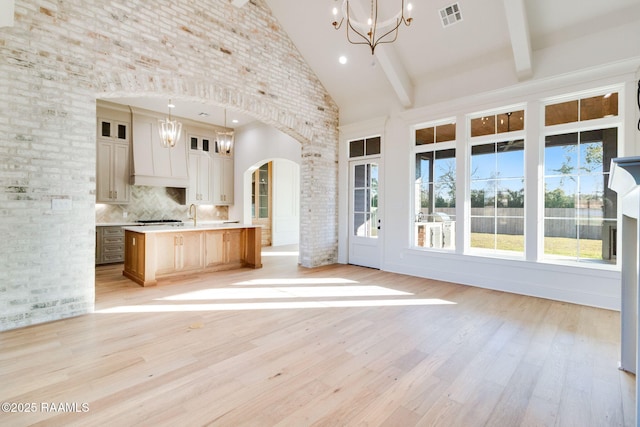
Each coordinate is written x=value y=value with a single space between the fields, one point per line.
x=174 y=222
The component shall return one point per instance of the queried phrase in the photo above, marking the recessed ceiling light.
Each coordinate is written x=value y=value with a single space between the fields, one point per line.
x=342 y=59
x=234 y=121
x=170 y=105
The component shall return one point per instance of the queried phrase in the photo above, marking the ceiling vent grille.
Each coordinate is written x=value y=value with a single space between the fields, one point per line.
x=450 y=15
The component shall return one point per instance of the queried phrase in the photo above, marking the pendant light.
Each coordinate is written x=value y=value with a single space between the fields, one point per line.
x=169 y=130
x=224 y=139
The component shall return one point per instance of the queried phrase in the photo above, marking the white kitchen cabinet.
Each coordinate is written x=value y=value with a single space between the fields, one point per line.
x=153 y=164
x=199 y=190
x=200 y=172
x=222 y=180
x=113 y=162
x=200 y=143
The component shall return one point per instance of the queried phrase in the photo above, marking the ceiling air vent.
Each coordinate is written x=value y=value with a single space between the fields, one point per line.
x=450 y=15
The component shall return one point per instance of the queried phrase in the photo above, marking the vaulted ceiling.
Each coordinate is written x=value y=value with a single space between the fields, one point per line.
x=426 y=54
x=490 y=30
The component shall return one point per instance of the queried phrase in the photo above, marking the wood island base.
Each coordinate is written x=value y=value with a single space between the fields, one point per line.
x=153 y=253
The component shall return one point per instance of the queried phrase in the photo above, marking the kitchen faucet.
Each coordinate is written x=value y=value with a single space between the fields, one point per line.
x=193 y=215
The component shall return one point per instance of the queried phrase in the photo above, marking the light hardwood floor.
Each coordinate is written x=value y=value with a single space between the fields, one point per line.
x=337 y=345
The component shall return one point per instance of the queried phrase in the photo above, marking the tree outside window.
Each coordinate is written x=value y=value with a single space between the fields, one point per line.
x=580 y=211
x=435 y=186
x=435 y=194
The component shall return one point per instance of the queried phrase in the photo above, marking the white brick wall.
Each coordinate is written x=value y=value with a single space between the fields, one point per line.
x=60 y=56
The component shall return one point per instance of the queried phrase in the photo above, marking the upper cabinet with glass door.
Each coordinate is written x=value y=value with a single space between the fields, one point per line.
x=113 y=156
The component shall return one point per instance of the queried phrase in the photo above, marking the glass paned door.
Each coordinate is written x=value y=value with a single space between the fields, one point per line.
x=364 y=207
x=365 y=200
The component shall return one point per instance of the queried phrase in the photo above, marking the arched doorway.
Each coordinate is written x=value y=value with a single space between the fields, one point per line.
x=272 y=200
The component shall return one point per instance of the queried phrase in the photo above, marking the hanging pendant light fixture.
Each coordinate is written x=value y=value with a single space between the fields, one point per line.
x=169 y=130
x=370 y=32
x=224 y=139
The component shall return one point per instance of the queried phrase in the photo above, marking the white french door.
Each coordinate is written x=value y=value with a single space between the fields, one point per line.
x=364 y=206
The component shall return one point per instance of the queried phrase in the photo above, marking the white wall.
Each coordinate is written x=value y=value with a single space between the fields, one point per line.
x=256 y=144
x=286 y=203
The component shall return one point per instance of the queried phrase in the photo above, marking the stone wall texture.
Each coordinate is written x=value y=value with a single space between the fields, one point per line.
x=60 y=56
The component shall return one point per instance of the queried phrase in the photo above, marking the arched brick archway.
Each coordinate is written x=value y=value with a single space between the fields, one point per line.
x=59 y=57
x=318 y=232
x=111 y=85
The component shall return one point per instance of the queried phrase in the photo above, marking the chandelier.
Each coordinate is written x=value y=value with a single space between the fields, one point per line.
x=370 y=32
x=169 y=130
x=224 y=139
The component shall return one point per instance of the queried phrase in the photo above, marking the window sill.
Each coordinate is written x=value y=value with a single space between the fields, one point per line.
x=596 y=265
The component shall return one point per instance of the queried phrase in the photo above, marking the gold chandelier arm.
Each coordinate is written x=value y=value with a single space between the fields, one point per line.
x=371 y=38
x=366 y=41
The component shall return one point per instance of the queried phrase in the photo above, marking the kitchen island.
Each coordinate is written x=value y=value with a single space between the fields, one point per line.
x=153 y=252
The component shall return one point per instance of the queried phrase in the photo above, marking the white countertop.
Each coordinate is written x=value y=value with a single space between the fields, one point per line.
x=218 y=225
x=187 y=222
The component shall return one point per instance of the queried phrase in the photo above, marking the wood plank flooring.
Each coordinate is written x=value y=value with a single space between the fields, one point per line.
x=337 y=345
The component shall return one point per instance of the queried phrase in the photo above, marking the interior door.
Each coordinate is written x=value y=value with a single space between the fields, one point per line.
x=364 y=206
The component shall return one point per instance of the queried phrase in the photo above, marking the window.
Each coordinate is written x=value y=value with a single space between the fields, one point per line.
x=575 y=214
x=435 y=187
x=364 y=147
x=364 y=168
x=260 y=192
x=497 y=183
x=365 y=200
x=579 y=110
x=497 y=123
x=580 y=211
x=433 y=134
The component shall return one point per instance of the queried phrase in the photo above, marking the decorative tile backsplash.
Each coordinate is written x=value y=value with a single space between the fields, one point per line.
x=157 y=203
